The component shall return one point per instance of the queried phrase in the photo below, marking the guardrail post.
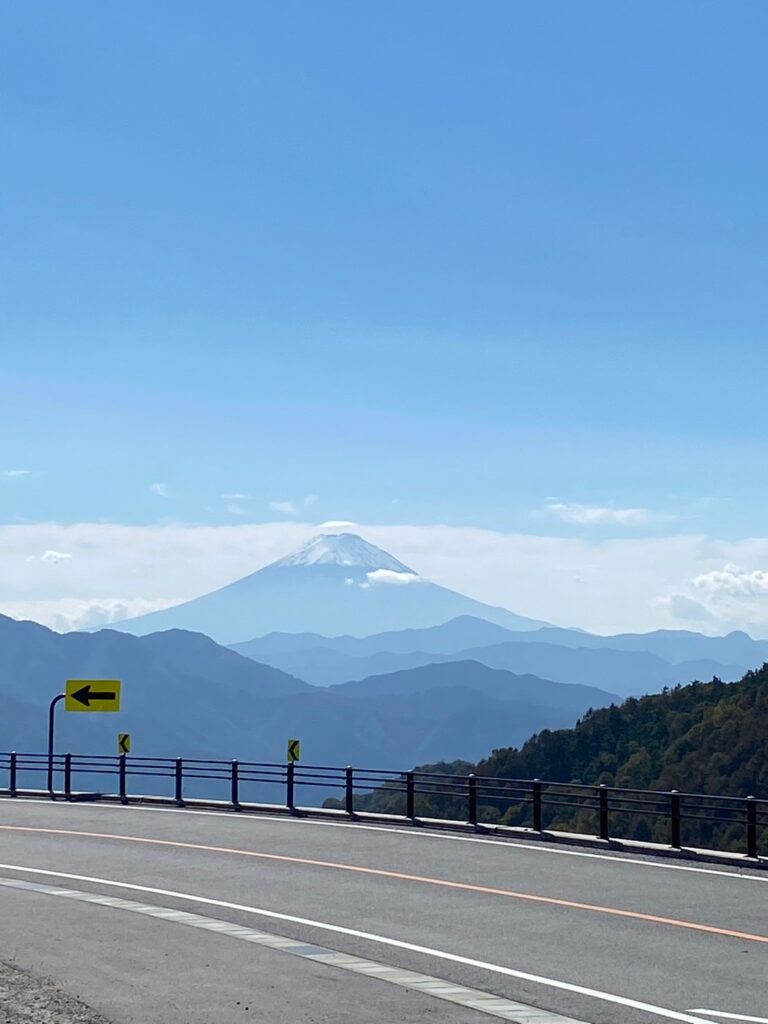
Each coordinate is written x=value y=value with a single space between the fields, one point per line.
x=602 y=795
x=751 y=827
x=67 y=776
x=472 y=799
x=289 y=788
x=410 y=796
x=675 y=818
x=349 y=790
x=12 y=775
x=234 y=776
x=179 y=782
x=537 y=815
x=123 y=778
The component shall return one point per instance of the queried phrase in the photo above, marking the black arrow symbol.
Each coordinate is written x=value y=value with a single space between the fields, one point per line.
x=293 y=753
x=85 y=695
x=124 y=743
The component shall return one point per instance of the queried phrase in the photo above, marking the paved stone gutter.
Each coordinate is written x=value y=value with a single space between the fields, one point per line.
x=25 y=999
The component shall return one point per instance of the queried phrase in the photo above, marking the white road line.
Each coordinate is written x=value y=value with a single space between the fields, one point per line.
x=437 y=988
x=564 y=986
x=735 y=873
x=732 y=1016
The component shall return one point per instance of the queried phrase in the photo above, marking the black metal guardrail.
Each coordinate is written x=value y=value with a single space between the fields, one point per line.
x=731 y=824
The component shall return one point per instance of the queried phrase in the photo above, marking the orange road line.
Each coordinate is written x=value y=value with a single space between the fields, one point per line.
x=553 y=901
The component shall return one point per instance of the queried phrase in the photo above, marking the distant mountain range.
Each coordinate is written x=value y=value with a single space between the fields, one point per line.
x=619 y=664
x=337 y=583
x=525 y=690
x=185 y=695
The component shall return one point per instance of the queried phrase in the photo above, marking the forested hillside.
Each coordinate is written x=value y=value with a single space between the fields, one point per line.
x=705 y=737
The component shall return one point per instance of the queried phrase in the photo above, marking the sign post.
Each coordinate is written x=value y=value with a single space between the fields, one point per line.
x=51 y=720
x=81 y=695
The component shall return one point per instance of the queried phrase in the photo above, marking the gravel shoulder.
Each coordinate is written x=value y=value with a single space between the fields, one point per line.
x=25 y=999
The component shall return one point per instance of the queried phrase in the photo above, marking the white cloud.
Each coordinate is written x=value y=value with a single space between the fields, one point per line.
x=55 y=556
x=311 y=499
x=607 y=585
x=733 y=582
x=236 y=496
x=12 y=473
x=236 y=509
x=599 y=515
x=286 y=508
x=335 y=524
x=161 y=490
x=687 y=611
x=70 y=613
x=723 y=599
x=391 y=576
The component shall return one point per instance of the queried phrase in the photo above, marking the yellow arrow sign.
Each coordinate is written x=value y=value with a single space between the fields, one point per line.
x=294 y=750
x=92 y=695
x=123 y=743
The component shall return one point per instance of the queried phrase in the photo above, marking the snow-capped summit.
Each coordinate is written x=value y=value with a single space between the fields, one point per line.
x=336 y=583
x=345 y=549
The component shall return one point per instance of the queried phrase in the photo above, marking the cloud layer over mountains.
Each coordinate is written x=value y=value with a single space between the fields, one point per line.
x=114 y=571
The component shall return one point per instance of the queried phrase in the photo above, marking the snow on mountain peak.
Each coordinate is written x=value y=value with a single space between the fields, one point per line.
x=345 y=549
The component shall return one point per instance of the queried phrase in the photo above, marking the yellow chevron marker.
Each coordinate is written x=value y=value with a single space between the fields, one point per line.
x=294 y=751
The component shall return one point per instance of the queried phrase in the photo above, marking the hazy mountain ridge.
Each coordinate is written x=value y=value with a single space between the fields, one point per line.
x=467 y=631
x=185 y=695
x=628 y=670
x=673 y=645
x=452 y=635
x=494 y=682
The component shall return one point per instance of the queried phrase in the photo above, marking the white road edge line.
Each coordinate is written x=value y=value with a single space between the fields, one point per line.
x=732 y=1016
x=437 y=988
x=736 y=873
x=563 y=986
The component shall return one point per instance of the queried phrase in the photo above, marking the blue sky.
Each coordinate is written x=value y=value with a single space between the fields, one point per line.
x=498 y=265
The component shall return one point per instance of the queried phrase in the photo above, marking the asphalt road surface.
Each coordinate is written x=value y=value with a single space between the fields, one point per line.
x=165 y=916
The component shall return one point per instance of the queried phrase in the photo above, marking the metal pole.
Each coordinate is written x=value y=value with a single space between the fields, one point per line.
x=51 y=710
x=289 y=787
x=536 y=796
x=179 y=782
x=675 y=818
x=472 y=799
x=602 y=795
x=123 y=772
x=410 y=791
x=234 y=778
x=349 y=791
x=751 y=827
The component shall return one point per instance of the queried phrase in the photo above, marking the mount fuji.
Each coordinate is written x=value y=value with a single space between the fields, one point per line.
x=335 y=584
